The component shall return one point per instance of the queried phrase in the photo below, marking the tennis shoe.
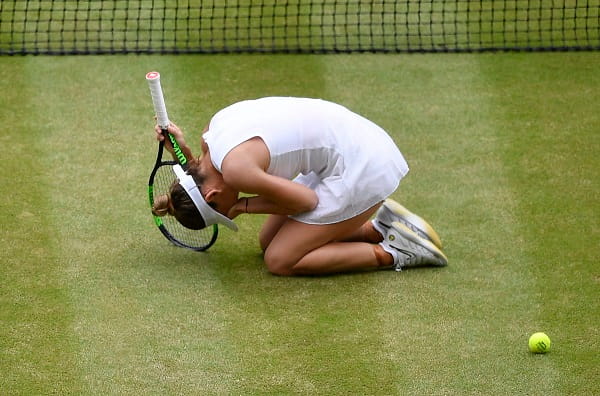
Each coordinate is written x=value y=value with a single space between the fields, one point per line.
x=392 y=211
x=410 y=250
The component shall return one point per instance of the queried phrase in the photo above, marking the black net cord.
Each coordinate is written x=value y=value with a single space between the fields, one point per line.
x=296 y=26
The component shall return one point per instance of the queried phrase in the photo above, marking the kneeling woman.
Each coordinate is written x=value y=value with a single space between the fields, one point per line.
x=321 y=172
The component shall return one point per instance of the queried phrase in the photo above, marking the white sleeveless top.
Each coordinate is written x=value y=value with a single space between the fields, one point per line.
x=350 y=162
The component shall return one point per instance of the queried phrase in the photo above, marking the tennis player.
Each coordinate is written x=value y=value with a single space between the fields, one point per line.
x=320 y=171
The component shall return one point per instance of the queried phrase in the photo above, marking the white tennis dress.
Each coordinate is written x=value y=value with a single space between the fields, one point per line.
x=350 y=162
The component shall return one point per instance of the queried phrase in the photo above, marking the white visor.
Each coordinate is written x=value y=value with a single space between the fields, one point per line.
x=209 y=215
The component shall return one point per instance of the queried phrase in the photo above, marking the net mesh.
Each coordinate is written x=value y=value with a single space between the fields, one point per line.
x=296 y=26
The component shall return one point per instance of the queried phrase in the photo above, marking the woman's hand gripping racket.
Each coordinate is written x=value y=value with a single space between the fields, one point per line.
x=163 y=176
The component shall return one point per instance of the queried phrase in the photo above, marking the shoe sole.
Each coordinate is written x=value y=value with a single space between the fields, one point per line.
x=413 y=237
x=415 y=220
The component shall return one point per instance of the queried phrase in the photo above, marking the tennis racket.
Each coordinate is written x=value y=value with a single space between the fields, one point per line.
x=163 y=176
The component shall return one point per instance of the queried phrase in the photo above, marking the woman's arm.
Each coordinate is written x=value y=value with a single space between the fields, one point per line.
x=279 y=196
x=244 y=169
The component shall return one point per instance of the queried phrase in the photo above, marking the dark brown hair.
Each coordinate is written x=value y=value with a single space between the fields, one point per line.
x=178 y=203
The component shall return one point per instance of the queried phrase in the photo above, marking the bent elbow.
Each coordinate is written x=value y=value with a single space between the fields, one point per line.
x=314 y=204
x=309 y=205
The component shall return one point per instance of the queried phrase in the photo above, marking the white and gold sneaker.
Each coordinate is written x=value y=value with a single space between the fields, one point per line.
x=410 y=250
x=392 y=211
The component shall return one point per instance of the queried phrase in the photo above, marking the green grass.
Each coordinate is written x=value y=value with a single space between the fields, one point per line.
x=504 y=152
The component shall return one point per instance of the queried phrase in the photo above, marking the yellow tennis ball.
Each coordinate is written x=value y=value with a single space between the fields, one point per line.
x=539 y=343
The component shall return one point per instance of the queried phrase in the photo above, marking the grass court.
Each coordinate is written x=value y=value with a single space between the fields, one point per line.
x=504 y=151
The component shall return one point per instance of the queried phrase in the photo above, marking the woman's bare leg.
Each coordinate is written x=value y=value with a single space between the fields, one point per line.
x=365 y=233
x=309 y=249
x=269 y=229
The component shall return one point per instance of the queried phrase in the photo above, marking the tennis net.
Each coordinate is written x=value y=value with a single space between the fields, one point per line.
x=296 y=26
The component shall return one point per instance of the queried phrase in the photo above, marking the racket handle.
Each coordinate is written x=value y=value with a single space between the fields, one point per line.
x=160 y=109
x=176 y=150
x=162 y=118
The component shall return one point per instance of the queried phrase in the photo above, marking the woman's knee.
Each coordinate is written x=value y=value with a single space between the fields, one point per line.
x=278 y=263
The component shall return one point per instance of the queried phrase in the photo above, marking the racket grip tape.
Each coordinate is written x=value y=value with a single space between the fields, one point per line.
x=160 y=109
x=162 y=118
